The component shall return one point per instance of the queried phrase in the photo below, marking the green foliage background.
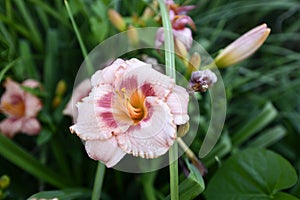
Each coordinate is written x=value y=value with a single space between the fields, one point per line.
x=38 y=41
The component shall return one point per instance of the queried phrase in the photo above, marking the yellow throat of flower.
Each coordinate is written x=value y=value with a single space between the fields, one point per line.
x=136 y=107
x=16 y=109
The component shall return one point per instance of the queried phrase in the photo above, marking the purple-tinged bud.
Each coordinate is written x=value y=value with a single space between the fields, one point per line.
x=201 y=81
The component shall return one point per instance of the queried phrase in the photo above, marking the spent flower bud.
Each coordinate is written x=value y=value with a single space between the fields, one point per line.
x=201 y=80
x=243 y=47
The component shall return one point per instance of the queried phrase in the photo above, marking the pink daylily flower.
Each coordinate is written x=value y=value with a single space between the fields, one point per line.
x=81 y=90
x=131 y=109
x=21 y=109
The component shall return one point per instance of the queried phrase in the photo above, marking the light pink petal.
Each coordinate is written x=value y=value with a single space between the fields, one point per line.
x=88 y=127
x=80 y=91
x=159 y=38
x=182 y=10
x=185 y=36
x=154 y=135
x=95 y=116
x=30 y=126
x=111 y=111
x=109 y=73
x=105 y=150
x=9 y=127
x=178 y=103
x=32 y=105
x=31 y=83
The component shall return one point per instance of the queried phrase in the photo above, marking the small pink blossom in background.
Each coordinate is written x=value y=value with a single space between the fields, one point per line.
x=21 y=109
x=81 y=90
x=131 y=109
x=179 y=20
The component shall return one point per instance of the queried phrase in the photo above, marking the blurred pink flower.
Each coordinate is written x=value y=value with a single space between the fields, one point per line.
x=132 y=109
x=21 y=109
x=81 y=90
x=179 y=20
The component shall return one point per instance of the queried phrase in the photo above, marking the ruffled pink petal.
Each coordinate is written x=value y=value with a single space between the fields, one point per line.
x=108 y=74
x=154 y=135
x=88 y=127
x=9 y=127
x=30 y=126
x=80 y=91
x=105 y=150
x=32 y=105
x=178 y=103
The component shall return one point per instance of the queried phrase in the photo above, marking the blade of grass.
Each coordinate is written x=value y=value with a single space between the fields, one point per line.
x=35 y=33
x=100 y=167
x=50 y=65
x=27 y=162
x=6 y=68
x=27 y=60
x=51 y=11
x=90 y=69
x=12 y=24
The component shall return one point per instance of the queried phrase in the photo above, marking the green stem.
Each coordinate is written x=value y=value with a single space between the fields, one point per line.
x=170 y=71
x=173 y=156
x=90 y=69
x=98 y=181
x=169 y=41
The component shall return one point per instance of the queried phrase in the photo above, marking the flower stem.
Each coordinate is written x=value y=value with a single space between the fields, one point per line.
x=90 y=69
x=98 y=181
x=170 y=71
x=169 y=41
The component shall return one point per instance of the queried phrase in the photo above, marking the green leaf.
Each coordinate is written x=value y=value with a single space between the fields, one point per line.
x=192 y=186
x=268 y=137
x=66 y=194
x=252 y=174
x=256 y=124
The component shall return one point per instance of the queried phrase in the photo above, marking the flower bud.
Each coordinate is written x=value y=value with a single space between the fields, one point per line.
x=61 y=88
x=194 y=62
x=243 y=47
x=180 y=49
x=117 y=20
x=201 y=80
x=133 y=36
x=183 y=129
x=4 y=181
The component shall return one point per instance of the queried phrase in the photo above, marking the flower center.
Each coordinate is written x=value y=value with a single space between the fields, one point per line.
x=15 y=108
x=136 y=108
